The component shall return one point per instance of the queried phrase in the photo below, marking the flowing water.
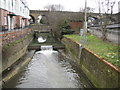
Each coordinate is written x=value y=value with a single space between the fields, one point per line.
x=47 y=69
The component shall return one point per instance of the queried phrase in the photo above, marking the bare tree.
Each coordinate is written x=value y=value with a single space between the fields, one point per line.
x=105 y=6
x=81 y=9
x=55 y=7
x=88 y=10
x=112 y=5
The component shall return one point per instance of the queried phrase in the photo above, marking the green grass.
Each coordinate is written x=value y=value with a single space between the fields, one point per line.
x=105 y=50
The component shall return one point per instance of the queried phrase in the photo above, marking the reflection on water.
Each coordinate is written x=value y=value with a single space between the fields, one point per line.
x=46 y=70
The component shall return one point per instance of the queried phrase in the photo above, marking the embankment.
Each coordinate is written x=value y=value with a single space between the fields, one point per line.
x=101 y=73
x=13 y=51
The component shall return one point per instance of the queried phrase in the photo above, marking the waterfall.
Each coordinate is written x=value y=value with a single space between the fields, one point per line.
x=48 y=47
x=47 y=50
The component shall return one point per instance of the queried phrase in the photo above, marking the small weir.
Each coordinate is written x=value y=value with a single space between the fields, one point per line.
x=47 y=69
x=47 y=48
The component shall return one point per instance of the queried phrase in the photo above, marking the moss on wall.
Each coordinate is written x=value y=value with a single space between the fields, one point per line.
x=73 y=51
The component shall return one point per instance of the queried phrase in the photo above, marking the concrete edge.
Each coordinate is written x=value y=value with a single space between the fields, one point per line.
x=18 y=67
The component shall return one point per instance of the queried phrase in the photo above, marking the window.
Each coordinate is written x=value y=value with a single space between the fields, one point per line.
x=5 y=20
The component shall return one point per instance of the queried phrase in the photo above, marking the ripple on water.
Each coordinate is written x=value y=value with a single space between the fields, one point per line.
x=47 y=70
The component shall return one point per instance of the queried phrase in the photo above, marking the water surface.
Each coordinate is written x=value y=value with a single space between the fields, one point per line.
x=47 y=69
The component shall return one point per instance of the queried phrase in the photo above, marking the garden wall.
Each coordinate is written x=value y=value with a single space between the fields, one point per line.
x=76 y=26
x=101 y=73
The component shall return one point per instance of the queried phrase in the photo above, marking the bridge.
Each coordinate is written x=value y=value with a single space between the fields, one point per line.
x=52 y=17
x=47 y=39
x=51 y=20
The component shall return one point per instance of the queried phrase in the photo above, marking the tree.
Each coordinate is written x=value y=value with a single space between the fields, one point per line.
x=88 y=10
x=56 y=7
x=105 y=6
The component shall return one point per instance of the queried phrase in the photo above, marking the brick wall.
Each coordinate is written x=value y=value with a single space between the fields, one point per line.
x=3 y=13
x=76 y=26
x=16 y=20
x=13 y=36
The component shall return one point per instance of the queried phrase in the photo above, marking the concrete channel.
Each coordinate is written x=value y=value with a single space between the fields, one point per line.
x=48 y=68
x=55 y=65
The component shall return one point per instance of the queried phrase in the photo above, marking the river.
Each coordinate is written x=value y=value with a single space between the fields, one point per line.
x=48 y=69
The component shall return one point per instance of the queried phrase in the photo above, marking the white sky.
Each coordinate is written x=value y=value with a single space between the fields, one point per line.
x=69 y=5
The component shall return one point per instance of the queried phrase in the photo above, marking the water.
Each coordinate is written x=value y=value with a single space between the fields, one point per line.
x=41 y=40
x=48 y=47
x=47 y=69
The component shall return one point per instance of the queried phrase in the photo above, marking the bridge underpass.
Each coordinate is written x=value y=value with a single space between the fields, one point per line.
x=48 y=39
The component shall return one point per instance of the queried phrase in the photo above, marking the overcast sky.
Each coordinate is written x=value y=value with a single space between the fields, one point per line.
x=69 y=5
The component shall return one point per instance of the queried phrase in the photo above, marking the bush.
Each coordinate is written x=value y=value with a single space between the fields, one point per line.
x=67 y=31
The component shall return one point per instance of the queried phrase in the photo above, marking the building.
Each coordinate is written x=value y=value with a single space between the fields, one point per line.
x=13 y=14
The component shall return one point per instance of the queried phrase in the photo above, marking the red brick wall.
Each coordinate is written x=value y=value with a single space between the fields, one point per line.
x=26 y=22
x=17 y=19
x=76 y=25
x=13 y=36
x=2 y=15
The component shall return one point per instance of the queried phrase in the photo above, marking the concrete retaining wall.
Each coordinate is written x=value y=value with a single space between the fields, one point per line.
x=101 y=73
x=14 y=51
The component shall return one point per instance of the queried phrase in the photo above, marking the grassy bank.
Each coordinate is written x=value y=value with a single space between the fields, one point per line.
x=105 y=50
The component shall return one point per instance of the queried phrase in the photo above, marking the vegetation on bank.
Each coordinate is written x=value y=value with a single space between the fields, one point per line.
x=17 y=41
x=105 y=50
x=66 y=28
